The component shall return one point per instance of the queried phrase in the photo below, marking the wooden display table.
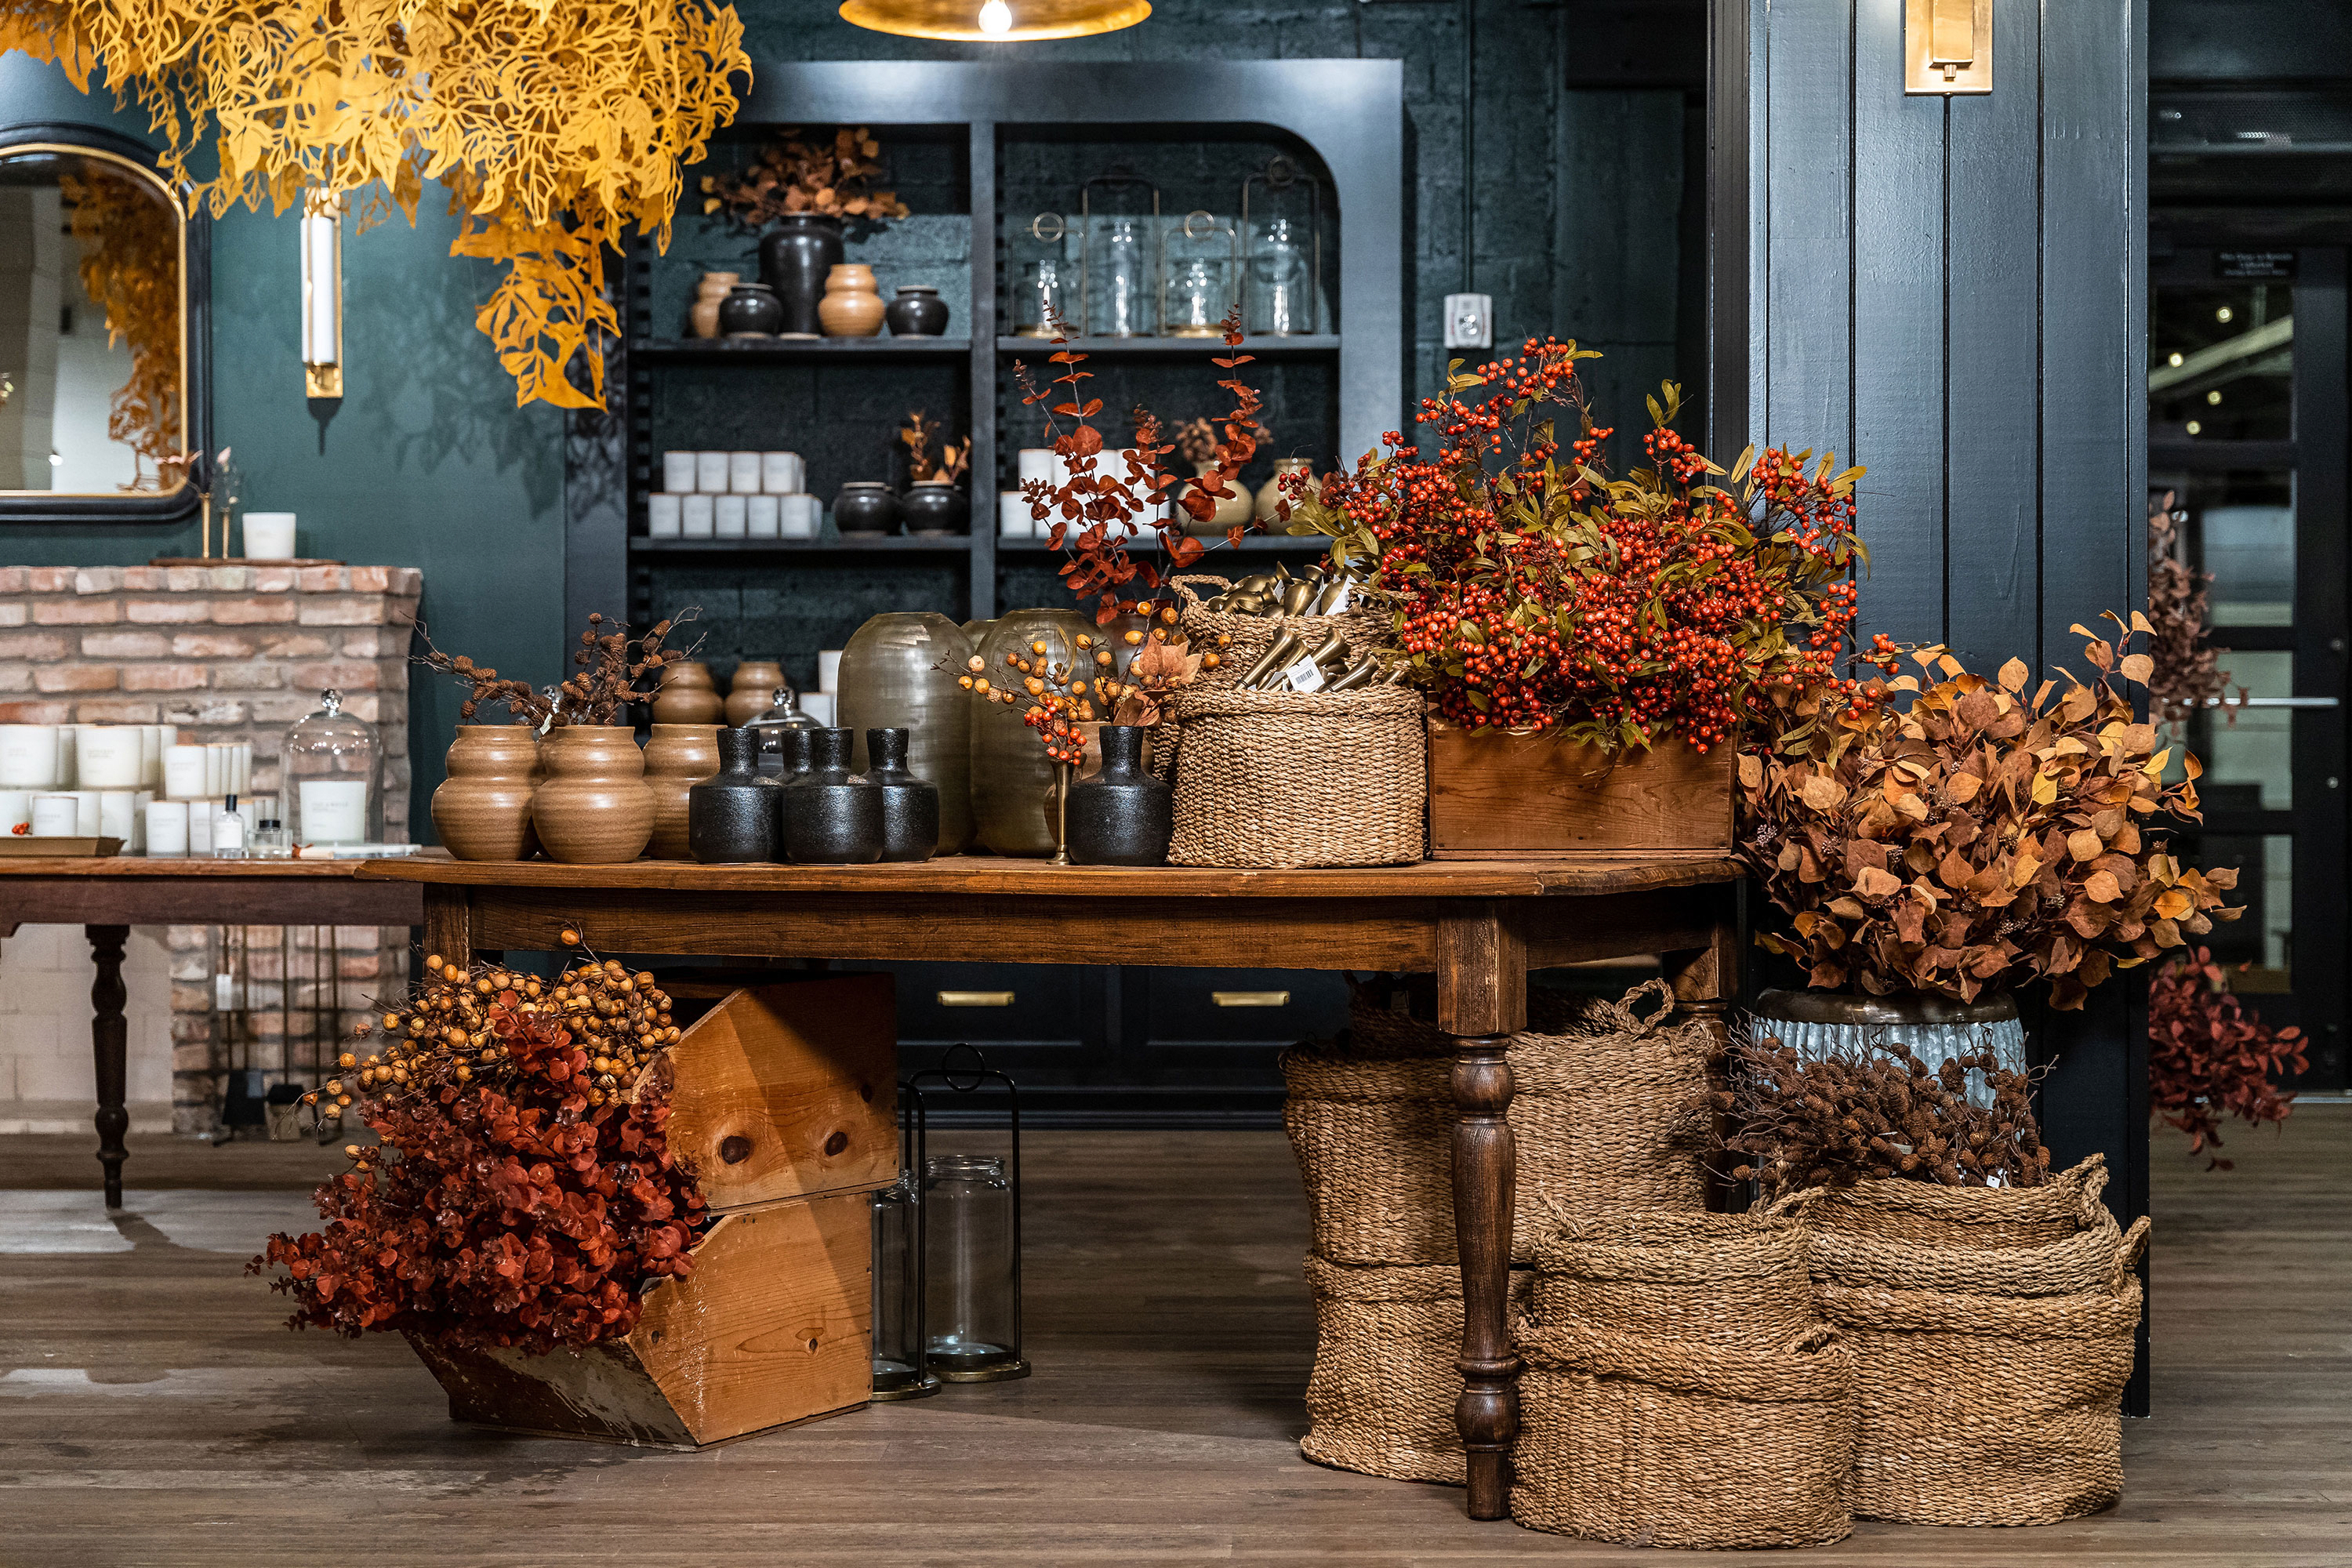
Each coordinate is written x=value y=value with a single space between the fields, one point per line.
x=107 y=897
x=1478 y=925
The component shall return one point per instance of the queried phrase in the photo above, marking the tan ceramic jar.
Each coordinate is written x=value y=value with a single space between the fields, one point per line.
x=677 y=757
x=594 y=808
x=702 y=316
x=852 y=306
x=753 y=690
x=688 y=695
x=482 y=810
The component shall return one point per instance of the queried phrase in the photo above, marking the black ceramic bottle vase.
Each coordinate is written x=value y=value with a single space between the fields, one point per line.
x=1122 y=816
x=730 y=816
x=832 y=817
x=794 y=260
x=910 y=806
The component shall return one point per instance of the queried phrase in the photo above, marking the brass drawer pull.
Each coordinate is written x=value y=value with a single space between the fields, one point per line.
x=976 y=998
x=1249 y=998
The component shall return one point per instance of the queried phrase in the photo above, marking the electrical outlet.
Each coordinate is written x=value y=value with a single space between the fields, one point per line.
x=1469 y=321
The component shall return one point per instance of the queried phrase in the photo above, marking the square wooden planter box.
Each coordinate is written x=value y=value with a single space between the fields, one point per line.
x=783 y=1099
x=1501 y=796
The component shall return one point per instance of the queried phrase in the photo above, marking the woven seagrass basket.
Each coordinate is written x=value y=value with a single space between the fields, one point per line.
x=1973 y=1218
x=1248 y=636
x=1284 y=779
x=1603 y=1117
x=1736 y=1280
x=1655 y=1441
x=1381 y=1396
x=1988 y=1383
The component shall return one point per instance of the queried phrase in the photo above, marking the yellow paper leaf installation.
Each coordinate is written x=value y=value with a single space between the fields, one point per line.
x=130 y=243
x=555 y=124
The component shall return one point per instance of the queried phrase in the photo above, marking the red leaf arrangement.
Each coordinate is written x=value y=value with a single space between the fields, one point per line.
x=528 y=1213
x=2210 y=1056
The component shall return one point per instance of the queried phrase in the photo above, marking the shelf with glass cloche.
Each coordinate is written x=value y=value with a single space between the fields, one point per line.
x=767 y=350
x=1270 y=347
x=847 y=543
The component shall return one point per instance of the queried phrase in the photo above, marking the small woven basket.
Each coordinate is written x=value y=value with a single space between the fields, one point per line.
x=1987 y=1382
x=1603 y=1118
x=1696 y=1279
x=1282 y=779
x=1927 y=1214
x=1654 y=1441
x=1381 y=1396
x=1248 y=636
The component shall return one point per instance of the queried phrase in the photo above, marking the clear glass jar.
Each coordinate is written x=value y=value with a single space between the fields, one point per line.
x=1279 y=291
x=329 y=771
x=898 y=1280
x=1048 y=295
x=972 y=1301
x=1200 y=293
x=1120 y=266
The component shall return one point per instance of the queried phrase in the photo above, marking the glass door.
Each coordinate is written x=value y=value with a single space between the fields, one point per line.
x=2247 y=449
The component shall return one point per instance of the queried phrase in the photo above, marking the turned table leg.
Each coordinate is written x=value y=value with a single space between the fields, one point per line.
x=1482 y=1000
x=1706 y=983
x=108 y=1041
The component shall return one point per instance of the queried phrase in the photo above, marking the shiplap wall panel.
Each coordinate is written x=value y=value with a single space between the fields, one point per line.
x=1808 y=372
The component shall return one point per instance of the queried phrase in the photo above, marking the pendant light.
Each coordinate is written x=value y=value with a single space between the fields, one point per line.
x=995 y=21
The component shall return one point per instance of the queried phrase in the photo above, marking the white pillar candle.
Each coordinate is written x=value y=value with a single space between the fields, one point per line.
x=29 y=756
x=183 y=772
x=695 y=516
x=710 y=472
x=335 y=811
x=167 y=827
x=797 y=515
x=663 y=516
x=782 y=473
x=15 y=810
x=270 y=536
x=1013 y=518
x=116 y=809
x=200 y=826
x=1037 y=463
x=743 y=473
x=108 y=757
x=54 y=816
x=729 y=516
x=828 y=669
x=818 y=705
x=678 y=472
x=65 y=773
x=762 y=516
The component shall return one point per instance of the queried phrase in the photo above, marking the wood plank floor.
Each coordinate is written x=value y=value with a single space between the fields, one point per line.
x=153 y=1412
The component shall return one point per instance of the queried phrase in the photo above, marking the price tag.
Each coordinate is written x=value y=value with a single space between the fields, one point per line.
x=1306 y=676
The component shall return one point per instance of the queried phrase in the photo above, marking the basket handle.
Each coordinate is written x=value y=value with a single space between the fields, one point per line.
x=1623 y=1009
x=1183 y=585
x=2088 y=1178
x=1789 y=1203
x=2128 y=1255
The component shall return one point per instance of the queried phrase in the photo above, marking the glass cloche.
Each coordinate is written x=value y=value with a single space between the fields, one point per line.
x=777 y=753
x=331 y=768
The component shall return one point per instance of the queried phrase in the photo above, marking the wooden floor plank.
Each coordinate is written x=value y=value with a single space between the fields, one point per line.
x=153 y=1410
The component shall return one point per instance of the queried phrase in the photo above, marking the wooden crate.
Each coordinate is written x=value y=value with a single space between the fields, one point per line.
x=1501 y=796
x=773 y=1327
x=788 y=1091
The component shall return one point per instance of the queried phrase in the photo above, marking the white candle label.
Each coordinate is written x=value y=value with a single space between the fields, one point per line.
x=335 y=811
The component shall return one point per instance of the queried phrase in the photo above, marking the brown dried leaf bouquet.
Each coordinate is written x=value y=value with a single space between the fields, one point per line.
x=1875 y=1113
x=1979 y=837
x=790 y=176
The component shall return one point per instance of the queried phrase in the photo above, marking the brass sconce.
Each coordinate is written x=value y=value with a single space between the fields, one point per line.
x=1946 y=47
x=323 y=294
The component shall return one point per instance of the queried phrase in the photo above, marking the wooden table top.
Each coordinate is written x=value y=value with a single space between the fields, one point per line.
x=175 y=867
x=988 y=874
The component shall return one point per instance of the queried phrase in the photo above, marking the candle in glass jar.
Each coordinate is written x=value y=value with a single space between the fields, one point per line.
x=335 y=811
x=184 y=772
x=167 y=827
x=15 y=810
x=200 y=826
x=115 y=809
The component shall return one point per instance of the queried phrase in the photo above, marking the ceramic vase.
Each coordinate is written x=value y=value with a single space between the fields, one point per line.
x=594 y=808
x=677 y=757
x=795 y=257
x=1233 y=512
x=852 y=306
x=1120 y=816
x=752 y=690
x=732 y=815
x=917 y=311
x=910 y=805
x=832 y=817
x=933 y=509
x=482 y=810
x=750 y=311
x=865 y=506
x=702 y=316
x=1011 y=774
x=899 y=671
x=688 y=695
x=1269 y=494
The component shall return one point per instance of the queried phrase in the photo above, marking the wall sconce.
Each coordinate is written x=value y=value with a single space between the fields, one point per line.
x=323 y=294
x=1946 y=47
x=995 y=21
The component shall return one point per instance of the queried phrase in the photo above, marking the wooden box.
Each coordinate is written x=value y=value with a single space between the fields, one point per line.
x=788 y=1091
x=1496 y=796
x=773 y=1327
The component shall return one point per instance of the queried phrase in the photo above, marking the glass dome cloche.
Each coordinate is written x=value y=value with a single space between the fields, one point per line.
x=331 y=766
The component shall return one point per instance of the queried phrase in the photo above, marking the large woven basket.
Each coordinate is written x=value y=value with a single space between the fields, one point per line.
x=1381 y=1396
x=1654 y=1441
x=1696 y=1279
x=1972 y=1219
x=1294 y=778
x=1602 y=1117
x=1245 y=638
x=1987 y=1390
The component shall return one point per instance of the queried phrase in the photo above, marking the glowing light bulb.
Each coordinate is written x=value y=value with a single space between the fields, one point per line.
x=2173 y=359
x=2222 y=314
x=996 y=18
x=2195 y=428
x=2213 y=396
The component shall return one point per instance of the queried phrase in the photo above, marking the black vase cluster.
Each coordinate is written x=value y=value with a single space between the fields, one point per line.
x=813 y=810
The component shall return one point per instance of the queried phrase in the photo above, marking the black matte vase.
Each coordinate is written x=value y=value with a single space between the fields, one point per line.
x=794 y=258
x=1122 y=816
x=749 y=311
x=910 y=806
x=730 y=816
x=916 y=312
x=865 y=506
x=933 y=510
x=832 y=817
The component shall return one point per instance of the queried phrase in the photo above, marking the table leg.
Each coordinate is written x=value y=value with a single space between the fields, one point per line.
x=108 y=1041
x=1481 y=1001
x=1706 y=982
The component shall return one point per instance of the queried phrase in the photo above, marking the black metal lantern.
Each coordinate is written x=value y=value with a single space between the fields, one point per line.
x=968 y=1235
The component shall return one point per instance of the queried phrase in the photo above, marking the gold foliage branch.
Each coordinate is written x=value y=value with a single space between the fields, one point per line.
x=555 y=124
x=130 y=245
